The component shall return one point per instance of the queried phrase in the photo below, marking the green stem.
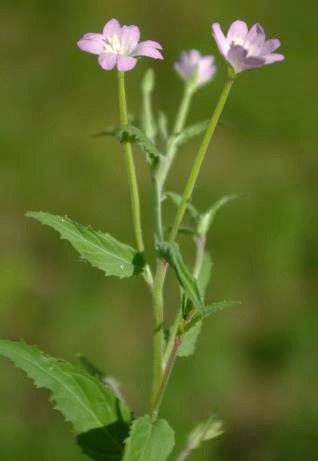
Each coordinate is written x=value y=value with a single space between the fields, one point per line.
x=181 y=118
x=183 y=109
x=165 y=377
x=134 y=192
x=158 y=391
x=200 y=157
x=158 y=340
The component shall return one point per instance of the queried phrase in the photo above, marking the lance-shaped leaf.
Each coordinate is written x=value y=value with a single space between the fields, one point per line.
x=171 y=252
x=206 y=311
x=207 y=218
x=176 y=200
x=149 y=441
x=188 y=133
x=80 y=397
x=133 y=134
x=205 y=273
x=189 y=340
x=99 y=249
x=207 y=430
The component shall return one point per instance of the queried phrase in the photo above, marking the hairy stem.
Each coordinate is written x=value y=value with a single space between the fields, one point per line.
x=133 y=184
x=181 y=118
x=199 y=159
x=165 y=377
x=158 y=339
x=158 y=391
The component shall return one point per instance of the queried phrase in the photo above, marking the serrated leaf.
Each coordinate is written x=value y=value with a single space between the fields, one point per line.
x=188 y=133
x=109 y=381
x=171 y=252
x=205 y=273
x=104 y=443
x=176 y=200
x=149 y=441
x=207 y=218
x=133 y=134
x=81 y=398
x=189 y=340
x=99 y=249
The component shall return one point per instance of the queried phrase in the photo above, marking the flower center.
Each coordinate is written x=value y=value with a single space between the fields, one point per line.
x=238 y=41
x=113 y=44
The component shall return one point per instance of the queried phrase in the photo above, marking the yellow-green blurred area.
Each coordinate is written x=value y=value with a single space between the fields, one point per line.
x=255 y=364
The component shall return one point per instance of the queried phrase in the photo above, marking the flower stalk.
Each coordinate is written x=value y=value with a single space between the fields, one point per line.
x=133 y=184
x=169 y=361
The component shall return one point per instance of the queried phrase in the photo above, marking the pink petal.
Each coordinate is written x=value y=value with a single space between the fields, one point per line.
x=111 y=28
x=91 y=43
x=107 y=60
x=153 y=44
x=254 y=40
x=146 y=49
x=130 y=36
x=238 y=30
x=219 y=38
x=274 y=57
x=270 y=46
x=126 y=63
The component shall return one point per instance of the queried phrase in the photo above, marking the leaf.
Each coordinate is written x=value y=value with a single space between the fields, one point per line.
x=188 y=133
x=81 y=398
x=189 y=340
x=149 y=441
x=109 y=381
x=207 y=311
x=104 y=443
x=207 y=430
x=205 y=273
x=99 y=249
x=91 y=369
x=133 y=134
x=176 y=200
x=207 y=218
x=171 y=252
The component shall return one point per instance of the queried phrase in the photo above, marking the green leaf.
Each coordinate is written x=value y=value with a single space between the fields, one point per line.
x=99 y=249
x=171 y=252
x=104 y=443
x=133 y=134
x=205 y=273
x=207 y=430
x=188 y=133
x=149 y=441
x=176 y=200
x=207 y=218
x=81 y=398
x=109 y=381
x=189 y=340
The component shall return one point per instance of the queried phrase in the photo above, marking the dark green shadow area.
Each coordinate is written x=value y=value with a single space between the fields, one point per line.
x=104 y=443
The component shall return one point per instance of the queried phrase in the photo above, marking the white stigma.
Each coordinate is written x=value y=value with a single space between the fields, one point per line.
x=112 y=44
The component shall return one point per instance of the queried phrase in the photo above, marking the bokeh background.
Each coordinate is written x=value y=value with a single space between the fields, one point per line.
x=256 y=365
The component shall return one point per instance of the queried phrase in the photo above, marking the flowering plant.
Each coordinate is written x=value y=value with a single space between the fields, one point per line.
x=105 y=424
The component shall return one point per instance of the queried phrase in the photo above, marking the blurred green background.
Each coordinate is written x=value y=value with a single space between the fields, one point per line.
x=256 y=364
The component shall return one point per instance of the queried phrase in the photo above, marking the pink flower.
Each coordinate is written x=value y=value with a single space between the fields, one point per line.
x=119 y=46
x=195 y=68
x=246 y=49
